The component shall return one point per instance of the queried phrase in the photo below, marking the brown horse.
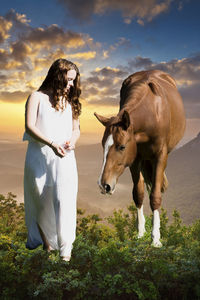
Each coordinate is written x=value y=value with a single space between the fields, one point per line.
x=150 y=123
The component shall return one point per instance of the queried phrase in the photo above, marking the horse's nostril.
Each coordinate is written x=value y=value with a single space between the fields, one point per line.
x=107 y=188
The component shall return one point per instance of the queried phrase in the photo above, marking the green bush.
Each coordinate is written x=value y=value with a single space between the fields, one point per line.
x=108 y=260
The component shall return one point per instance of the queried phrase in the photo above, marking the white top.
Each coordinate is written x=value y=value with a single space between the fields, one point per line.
x=55 y=125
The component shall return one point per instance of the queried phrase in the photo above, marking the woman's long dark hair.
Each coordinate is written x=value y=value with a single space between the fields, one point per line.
x=56 y=81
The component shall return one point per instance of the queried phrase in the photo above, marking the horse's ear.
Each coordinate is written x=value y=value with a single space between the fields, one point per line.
x=102 y=119
x=125 y=120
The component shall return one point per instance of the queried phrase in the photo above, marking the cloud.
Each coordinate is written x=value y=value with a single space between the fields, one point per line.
x=186 y=71
x=122 y=43
x=18 y=20
x=83 y=55
x=140 y=63
x=54 y=34
x=30 y=50
x=191 y=93
x=3 y=58
x=14 y=97
x=78 y=10
x=27 y=55
x=108 y=72
x=103 y=85
x=20 y=50
x=9 y=63
x=5 y=27
x=106 y=101
x=105 y=54
x=141 y=10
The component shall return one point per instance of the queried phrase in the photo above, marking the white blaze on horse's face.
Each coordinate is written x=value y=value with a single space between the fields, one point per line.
x=119 y=150
x=109 y=142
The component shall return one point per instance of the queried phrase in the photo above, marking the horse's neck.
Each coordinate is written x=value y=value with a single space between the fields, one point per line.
x=131 y=104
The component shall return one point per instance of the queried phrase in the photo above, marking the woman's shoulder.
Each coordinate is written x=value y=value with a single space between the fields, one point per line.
x=34 y=97
x=36 y=94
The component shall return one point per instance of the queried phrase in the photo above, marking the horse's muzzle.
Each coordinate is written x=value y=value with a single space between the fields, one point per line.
x=107 y=188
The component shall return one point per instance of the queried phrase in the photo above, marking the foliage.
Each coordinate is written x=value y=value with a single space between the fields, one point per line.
x=108 y=260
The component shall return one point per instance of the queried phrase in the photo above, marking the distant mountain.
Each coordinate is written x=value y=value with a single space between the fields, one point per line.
x=183 y=172
x=12 y=157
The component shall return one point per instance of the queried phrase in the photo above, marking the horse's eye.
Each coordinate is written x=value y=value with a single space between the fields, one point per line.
x=121 y=147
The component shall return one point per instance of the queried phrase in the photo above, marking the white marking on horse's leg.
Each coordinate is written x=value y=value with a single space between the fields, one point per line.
x=109 y=142
x=141 y=222
x=156 y=229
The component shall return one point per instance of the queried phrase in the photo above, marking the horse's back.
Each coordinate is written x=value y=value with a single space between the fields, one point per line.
x=157 y=89
x=153 y=79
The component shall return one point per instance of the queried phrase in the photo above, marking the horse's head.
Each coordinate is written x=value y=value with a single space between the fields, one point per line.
x=119 y=149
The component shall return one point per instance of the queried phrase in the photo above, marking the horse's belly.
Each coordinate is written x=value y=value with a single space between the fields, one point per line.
x=147 y=151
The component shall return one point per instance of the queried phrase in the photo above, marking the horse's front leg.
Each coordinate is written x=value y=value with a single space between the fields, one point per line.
x=155 y=196
x=138 y=196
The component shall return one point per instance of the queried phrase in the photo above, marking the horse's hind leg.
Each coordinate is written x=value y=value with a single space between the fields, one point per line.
x=138 y=196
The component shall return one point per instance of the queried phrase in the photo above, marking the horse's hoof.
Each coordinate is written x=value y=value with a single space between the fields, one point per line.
x=156 y=244
x=141 y=234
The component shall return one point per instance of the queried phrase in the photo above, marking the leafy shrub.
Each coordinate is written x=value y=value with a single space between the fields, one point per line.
x=108 y=260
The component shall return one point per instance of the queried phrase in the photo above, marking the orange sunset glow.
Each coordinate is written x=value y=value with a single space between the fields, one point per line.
x=106 y=47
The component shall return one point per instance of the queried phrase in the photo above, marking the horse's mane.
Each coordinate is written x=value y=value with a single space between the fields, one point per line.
x=138 y=84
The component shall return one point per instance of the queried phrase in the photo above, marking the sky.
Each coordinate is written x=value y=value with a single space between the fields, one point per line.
x=108 y=40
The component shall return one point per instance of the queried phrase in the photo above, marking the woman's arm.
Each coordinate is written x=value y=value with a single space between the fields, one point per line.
x=30 y=124
x=31 y=112
x=70 y=145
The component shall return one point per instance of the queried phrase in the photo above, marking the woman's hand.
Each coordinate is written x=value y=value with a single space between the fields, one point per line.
x=58 y=150
x=69 y=146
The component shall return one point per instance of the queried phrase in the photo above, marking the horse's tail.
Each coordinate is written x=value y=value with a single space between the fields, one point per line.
x=147 y=172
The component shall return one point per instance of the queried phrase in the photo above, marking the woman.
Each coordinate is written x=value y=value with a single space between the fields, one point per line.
x=50 y=175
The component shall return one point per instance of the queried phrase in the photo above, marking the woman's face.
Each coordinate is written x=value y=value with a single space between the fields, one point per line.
x=71 y=75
